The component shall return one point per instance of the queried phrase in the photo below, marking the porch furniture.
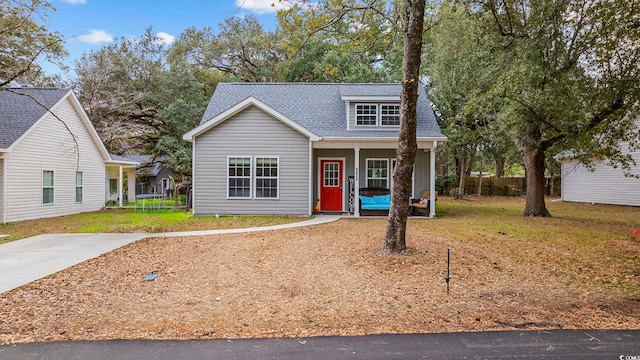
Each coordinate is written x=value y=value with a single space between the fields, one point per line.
x=374 y=201
x=421 y=206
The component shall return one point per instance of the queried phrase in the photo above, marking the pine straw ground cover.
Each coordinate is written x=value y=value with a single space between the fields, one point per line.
x=579 y=269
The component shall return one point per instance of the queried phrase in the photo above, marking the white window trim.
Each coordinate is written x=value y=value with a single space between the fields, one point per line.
x=380 y=115
x=227 y=177
x=255 y=177
x=81 y=186
x=355 y=109
x=366 y=170
x=53 y=177
x=378 y=124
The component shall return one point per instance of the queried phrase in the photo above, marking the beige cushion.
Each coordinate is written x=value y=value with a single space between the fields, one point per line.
x=427 y=194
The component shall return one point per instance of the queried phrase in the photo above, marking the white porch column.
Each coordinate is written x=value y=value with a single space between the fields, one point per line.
x=356 y=182
x=131 y=185
x=432 y=179
x=120 y=178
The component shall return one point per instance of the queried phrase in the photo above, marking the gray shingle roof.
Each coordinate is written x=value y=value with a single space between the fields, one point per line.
x=21 y=108
x=146 y=166
x=318 y=107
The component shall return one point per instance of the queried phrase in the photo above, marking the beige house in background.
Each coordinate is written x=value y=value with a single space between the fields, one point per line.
x=53 y=165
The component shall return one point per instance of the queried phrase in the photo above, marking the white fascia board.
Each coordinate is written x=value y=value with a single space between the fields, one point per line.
x=370 y=98
x=243 y=105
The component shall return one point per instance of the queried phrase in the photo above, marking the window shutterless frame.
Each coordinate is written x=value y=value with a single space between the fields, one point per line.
x=48 y=187
x=377 y=172
x=79 y=186
x=239 y=177
x=389 y=115
x=366 y=114
x=266 y=177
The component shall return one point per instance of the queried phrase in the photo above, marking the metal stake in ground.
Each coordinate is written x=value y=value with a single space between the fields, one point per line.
x=448 y=277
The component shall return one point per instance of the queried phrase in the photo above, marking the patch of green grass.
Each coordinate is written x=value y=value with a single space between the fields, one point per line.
x=129 y=221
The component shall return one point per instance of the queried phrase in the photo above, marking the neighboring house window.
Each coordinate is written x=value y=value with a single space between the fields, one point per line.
x=239 y=177
x=390 y=115
x=366 y=114
x=267 y=177
x=47 y=187
x=79 y=186
x=378 y=173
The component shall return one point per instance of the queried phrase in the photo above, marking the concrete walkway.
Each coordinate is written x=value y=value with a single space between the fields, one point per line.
x=23 y=261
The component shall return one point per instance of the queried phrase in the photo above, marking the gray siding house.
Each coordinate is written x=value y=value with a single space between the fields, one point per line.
x=285 y=148
x=52 y=161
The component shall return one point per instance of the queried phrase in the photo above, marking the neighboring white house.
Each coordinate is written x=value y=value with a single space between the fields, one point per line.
x=51 y=166
x=276 y=148
x=604 y=185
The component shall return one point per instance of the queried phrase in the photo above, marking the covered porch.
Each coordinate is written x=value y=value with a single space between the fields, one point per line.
x=341 y=168
x=120 y=181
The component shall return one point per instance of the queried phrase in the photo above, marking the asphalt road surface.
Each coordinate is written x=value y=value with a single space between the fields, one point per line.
x=556 y=344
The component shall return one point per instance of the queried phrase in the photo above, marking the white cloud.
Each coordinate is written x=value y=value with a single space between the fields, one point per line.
x=165 y=39
x=75 y=1
x=95 y=36
x=262 y=6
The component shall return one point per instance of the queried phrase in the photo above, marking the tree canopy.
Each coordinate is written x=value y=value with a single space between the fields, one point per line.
x=557 y=75
x=141 y=100
x=25 y=42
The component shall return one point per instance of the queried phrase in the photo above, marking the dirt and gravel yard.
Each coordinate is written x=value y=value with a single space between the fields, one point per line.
x=324 y=280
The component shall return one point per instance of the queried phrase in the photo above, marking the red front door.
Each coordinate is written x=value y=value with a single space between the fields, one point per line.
x=331 y=185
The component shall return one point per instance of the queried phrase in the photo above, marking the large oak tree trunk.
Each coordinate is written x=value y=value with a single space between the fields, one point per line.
x=412 y=28
x=462 y=180
x=499 y=166
x=534 y=167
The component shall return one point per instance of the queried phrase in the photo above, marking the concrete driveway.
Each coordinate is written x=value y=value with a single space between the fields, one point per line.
x=26 y=260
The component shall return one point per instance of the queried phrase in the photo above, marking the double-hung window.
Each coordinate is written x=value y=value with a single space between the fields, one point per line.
x=378 y=173
x=378 y=114
x=48 y=189
x=267 y=177
x=239 y=177
x=253 y=177
x=389 y=115
x=366 y=114
x=79 y=186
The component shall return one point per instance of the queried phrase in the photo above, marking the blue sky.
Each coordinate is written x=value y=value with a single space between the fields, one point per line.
x=90 y=24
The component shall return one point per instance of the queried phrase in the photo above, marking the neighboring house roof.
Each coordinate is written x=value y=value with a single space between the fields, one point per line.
x=20 y=109
x=144 y=162
x=318 y=107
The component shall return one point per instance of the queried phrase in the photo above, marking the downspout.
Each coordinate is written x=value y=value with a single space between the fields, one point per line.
x=120 y=179
x=193 y=177
x=356 y=180
x=4 y=191
x=432 y=179
x=311 y=204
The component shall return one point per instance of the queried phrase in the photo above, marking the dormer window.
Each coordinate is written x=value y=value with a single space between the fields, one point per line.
x=367 y=114
x=377 y=114
x=389 y=115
